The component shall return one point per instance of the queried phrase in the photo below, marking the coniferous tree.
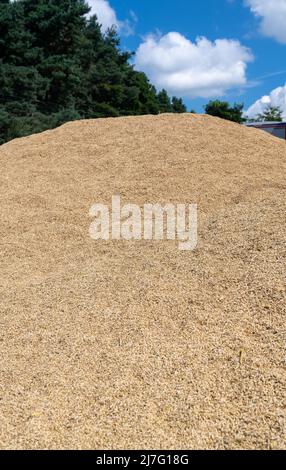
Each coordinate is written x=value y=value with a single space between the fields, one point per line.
x=178 y=105
x=165 y=105
x=56 y=65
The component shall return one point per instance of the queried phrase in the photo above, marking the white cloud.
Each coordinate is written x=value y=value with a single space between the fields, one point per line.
x=105 y=14
x=107 y=17
x=273 y=17
x=277 y=97
x=194 y=69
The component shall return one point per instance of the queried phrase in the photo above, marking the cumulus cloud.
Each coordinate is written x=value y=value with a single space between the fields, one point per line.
x=277 y=97
x=273 y=17
x=105 y=14
x=107 y=17
x=194 y=69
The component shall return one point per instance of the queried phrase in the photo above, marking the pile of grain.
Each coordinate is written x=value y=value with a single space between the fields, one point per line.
x=117 y=344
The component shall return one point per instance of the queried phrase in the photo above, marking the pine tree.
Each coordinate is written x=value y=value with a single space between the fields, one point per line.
x=165 y=105
x=21 y=85
x=178 y=105
x=56 y=65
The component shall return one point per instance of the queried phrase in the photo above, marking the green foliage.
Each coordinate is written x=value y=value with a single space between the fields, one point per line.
x=272 y=113
x=222 y=109
x=164 y=102
x=56 y=66
x=178 y=105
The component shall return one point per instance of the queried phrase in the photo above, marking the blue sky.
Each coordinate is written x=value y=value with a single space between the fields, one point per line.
x=240 y=58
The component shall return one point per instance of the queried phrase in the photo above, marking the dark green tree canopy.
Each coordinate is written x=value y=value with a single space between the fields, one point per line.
x=56 y=65
x=164 y=102
x=224 y=110
x=178 y=105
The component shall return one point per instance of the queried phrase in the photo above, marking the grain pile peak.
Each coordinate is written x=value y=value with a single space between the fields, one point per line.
x=133 y=343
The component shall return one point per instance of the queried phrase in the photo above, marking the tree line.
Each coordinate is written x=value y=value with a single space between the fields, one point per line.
x=56 y=65
x=235 y=113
